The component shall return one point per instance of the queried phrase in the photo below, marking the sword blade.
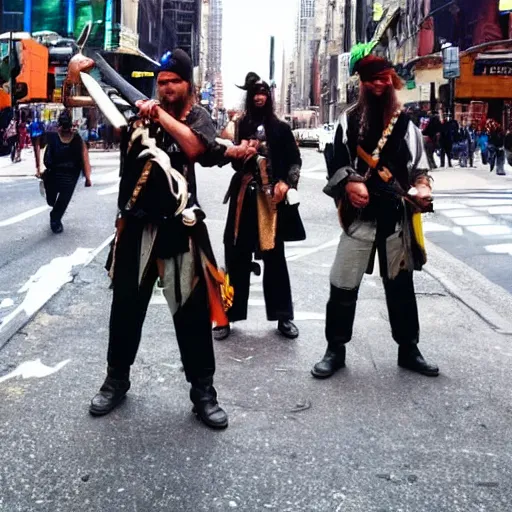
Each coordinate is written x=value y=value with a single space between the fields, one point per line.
x=114 y=79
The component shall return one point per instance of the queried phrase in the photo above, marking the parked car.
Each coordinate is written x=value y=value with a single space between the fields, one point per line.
x=326 y=136
x=307 y=136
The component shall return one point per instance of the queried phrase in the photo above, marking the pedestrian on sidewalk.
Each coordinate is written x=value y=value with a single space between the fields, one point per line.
x=483 y=145
x=260 y=217
x=157 y=239
x=431 y=136
x=496 y=147
x=464 y=144
x=65 y=158
x=378 y=157
x=446 y=140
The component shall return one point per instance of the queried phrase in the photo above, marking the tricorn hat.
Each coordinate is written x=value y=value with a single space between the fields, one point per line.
x=250 y=79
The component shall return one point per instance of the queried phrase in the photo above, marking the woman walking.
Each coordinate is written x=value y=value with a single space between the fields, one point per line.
x=66 y=156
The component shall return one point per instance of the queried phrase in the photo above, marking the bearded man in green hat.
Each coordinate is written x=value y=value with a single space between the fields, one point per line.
x=378 y=177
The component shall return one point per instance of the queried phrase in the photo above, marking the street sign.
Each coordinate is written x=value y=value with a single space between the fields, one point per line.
x=451 y=62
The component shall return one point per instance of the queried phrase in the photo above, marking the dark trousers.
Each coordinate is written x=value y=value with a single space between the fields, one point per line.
x=497 y=158
x=130 y=303
x=446 y=152
x=59 y=191
x=429 y=150
x=402 y=311
x=276 y=282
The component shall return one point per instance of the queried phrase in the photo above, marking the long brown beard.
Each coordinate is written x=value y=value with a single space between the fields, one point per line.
x=178 y=108
x=377 y=110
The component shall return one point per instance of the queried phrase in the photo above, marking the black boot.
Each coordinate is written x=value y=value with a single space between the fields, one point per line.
x=339 y=320
x=410 y=357
x=206 y=407
x=288 y=329
x=333 y=360
x=221 y=333
x=112 y=393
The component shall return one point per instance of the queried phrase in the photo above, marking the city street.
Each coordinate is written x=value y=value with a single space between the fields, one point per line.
x=31 y=256
x=373 y=438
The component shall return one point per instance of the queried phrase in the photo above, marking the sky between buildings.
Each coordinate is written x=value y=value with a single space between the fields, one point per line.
x=247 y=27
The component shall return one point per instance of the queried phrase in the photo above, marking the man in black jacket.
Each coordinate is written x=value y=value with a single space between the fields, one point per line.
x=161 y=235
x=260 y=217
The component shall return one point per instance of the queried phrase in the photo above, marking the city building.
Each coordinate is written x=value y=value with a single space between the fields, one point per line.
x=200 y=79
x=304 y=51
x=214 y=66
x=181 y=27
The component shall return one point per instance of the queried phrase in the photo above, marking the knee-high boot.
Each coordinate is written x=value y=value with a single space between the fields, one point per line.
x=340 y=314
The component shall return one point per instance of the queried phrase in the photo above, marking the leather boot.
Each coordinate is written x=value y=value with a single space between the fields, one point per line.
x=206 y=407
x=339 y=320
x=410 y=358
x=221 y=333
x=288 y=329
x=333 y=360
x=111 y=393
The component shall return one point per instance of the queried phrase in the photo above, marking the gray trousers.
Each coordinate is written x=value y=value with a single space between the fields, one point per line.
x=351 y=262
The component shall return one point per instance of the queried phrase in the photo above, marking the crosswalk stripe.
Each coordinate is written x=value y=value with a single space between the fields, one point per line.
x=499 y=248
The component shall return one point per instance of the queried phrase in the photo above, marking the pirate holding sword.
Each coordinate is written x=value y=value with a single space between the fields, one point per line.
x=161 y=235
x=378 y=176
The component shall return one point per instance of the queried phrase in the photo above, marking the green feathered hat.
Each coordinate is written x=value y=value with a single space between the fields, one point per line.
x=360 y=51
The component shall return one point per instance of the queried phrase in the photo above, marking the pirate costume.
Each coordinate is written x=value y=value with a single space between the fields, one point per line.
x=161 y=233
x=256 y=224
x=390 y=160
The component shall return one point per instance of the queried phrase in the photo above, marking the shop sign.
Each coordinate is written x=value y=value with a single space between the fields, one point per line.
x=493 y=67
x=57 y=95
x=142 y=74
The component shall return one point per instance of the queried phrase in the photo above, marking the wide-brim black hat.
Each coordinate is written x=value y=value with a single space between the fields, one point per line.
x=250 y=80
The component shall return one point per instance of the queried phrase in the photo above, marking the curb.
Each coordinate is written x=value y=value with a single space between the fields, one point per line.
x=490 y=302
x=18 y=318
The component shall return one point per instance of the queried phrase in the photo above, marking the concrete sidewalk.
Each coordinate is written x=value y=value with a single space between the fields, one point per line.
x=464 y=178
x=373 y=438
x=27 y=166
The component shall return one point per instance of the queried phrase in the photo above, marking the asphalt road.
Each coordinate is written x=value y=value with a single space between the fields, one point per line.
x=372 y=439
x=475 y=226
x=31 y=256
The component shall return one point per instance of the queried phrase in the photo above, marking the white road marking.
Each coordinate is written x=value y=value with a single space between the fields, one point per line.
x=477 y=220
x=462 y=212
x=114 y=189
x=34 y=369
x=23 y=216
x=490 y=230
x=257 y=302
x=498 y=195
x=500 y=210
x=6 y=303
x=48 y=280
x=105 y=177
x=447 y=206
x=433 y=227
x=499 y=248
x=312 y=250
x=488 y=202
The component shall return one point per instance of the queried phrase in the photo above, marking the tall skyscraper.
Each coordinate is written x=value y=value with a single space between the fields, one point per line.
x=214 y=66
x=304 y=39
